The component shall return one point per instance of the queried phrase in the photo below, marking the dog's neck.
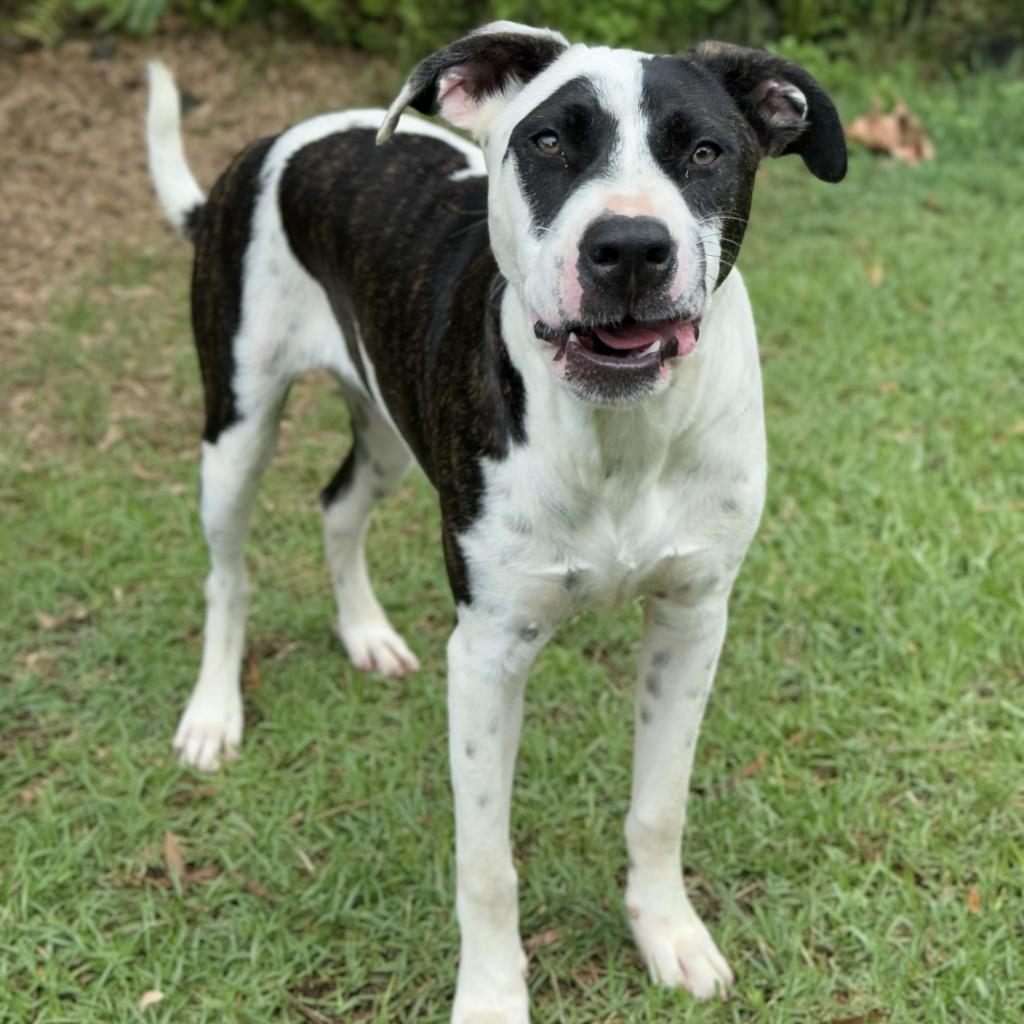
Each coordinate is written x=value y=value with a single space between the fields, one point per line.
x=650 y=433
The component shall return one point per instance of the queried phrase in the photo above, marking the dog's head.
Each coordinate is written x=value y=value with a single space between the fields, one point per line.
x=620 y=182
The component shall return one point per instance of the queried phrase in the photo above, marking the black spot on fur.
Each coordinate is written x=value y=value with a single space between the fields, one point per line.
x=653 y=684
x=470 y=750
x=645 y=715
x=529 y=633
x=661 y=658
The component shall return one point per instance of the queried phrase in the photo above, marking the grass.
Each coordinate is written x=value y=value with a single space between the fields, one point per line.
x=856 y=836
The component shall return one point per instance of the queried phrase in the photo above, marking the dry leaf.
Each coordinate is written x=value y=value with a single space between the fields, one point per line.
x=753 y=768
x=540 y=940
x=149 y=999
x=258 y=890
x=250 y=673
x=141 y=472
x=974 y=900
x=173 y=858
x=47 y=621
x=862 y=1018
x=875 y=273
x=306 y=862
x=898 y=134
x=114 y=434
x=203 y=875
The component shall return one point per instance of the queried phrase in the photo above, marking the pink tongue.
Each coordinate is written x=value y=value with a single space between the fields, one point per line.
x=630 y=337
x=627 y=338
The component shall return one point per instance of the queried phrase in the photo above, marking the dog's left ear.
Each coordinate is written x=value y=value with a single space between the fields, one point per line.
x=788 y=109
x=468 y=81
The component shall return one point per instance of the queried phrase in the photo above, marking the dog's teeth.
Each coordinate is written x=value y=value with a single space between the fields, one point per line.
x=653 y=347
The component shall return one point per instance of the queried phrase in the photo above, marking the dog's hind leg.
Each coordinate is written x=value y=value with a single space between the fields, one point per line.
x=373 y=468
x=232 y=465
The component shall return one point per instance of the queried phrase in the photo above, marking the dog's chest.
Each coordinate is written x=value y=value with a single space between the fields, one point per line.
x=558 y=535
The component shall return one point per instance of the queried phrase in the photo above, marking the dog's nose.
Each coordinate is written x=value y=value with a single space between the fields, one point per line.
x=627 y=256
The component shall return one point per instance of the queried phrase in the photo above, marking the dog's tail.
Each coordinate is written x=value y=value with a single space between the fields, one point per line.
x=178 y=191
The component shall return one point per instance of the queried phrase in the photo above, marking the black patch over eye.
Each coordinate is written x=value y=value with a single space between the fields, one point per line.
x=563 y=142
x=705 y=154
x=548 y=142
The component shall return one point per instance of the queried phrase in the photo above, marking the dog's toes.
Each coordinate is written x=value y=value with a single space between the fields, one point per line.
x=679 y=950
x=209 y=732
x=376 y=647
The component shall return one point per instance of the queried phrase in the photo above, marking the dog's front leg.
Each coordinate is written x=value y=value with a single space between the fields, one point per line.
x=680 y=653
x=487 y=666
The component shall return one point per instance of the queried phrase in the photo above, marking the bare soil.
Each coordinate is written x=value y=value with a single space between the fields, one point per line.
x=73 y=179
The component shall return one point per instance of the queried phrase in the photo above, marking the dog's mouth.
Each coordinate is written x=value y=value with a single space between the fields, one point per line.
x=627 y=344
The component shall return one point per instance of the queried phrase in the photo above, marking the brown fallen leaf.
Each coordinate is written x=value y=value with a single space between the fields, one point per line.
x=862 y=1018
x=174 y=859
x=875 y=273
x=141 y=472
x=974 y=900
x=897 y=134
x=203 y=875
x=150 y=998
x=250 y=673
x=256 y=889
x=52 y=622
x=749 y=770
x=115 y=433
x=542 y=940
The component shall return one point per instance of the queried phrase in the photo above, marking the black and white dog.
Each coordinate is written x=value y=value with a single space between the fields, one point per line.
x=576 y=372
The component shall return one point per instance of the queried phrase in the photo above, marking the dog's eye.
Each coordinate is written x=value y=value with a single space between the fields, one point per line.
x=547 y=142
x=705 y=154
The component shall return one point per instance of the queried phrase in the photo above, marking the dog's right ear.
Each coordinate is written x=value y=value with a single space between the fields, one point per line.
x=470 y=81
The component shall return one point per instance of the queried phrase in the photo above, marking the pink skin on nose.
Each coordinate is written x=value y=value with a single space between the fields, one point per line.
x=680 y=280
x=570 y=292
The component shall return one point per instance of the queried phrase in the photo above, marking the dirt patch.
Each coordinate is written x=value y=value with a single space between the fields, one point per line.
x=73 y=177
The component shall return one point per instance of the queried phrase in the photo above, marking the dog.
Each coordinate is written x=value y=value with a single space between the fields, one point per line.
x=549 y=323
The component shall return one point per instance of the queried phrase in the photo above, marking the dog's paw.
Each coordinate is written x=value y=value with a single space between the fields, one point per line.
x=491 y=1009
x=374 y=646
x=210 y=730
x=678 y=949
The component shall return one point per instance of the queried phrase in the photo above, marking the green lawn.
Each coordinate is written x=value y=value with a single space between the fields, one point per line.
x=856 y=839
